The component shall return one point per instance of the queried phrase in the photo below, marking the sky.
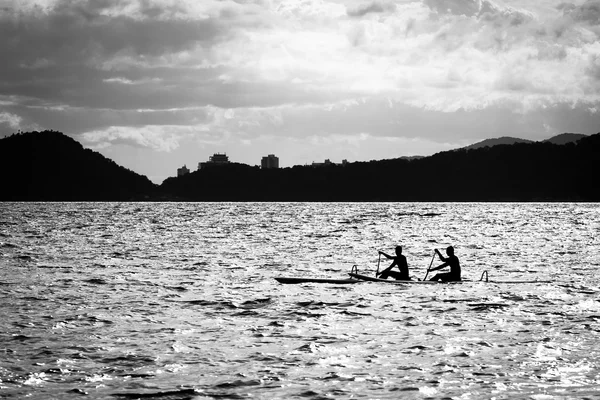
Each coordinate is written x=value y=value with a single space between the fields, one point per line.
x=158 y=84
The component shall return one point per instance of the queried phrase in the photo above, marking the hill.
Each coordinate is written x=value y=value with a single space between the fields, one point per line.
x=565 y=138
x=497 y=141
x=50 y=166
x=535 y=171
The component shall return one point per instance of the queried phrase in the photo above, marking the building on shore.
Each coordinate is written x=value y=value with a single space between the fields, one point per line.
x=270 y=161
x=328 y=162
x=322 y=164
x=216 y=159
x=183 y=171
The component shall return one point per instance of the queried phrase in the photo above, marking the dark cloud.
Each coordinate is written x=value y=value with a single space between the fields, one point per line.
x=566 y=7
x=482 y=9
x=64 y=54
x=373 y=7
x=74 y=120
x=567 y=30
x=588 y=12
x=80 y=33
x=79 y=53
x=80 y=85
x=468 y=8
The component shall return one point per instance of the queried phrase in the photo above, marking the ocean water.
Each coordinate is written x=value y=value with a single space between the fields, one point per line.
x=179 y=301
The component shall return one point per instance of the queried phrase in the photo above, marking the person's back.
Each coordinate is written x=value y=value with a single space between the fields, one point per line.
x=403 y=267
x=450 y=261
x=454 y=265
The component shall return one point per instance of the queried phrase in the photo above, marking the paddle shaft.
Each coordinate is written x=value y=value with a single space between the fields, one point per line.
x=378 y=261
x=430 y=264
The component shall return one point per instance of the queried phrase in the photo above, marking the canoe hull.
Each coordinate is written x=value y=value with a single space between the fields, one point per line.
x=315 y=280
x=393 y=281
x=398 y=282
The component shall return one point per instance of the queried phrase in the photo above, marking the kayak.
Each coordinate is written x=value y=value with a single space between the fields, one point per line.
x=395 y=281
x=315 y=280
x=373 y=279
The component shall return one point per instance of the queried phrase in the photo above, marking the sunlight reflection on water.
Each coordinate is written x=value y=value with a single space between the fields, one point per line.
x=178 y=301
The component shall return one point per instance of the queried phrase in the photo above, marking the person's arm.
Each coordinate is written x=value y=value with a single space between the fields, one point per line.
x=439 y=267
x=391 y=265
x=441 y=256
x=385 y=270
x=386 y=255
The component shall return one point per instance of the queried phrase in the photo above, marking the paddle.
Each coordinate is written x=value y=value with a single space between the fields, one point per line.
x=378 y=261
x=430 y=264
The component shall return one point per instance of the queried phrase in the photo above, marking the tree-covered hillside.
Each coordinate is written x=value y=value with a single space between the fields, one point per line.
x=50 y=166
x=537 y=171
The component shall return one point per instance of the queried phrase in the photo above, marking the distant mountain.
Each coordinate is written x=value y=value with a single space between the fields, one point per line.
x=50 y=166
x=525 y=171
x=565 y=138
x=497 y=141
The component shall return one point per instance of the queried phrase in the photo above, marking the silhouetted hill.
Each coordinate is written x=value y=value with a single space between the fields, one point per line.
x=534 y=171
x=565 y=138
x=496 y=142
x=50 y=166
x=411 y=157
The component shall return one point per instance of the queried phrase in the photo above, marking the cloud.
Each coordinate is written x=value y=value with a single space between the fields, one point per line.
x=88 y=31
x=375 y=7
x=76 y=52
x=13 y=121
x=161 y=138
x=456 y=7
x=588 y=12
x=245 y=69
x=164 y=55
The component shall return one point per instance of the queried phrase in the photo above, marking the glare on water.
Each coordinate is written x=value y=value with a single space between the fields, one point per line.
x=179 y=301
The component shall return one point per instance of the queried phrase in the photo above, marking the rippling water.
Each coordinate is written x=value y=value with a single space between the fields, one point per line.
x=178 y=301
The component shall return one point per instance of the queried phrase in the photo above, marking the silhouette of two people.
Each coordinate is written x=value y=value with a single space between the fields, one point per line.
x=399 y=260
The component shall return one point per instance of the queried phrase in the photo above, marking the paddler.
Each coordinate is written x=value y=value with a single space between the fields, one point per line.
x=450 y=261
x=400 y=262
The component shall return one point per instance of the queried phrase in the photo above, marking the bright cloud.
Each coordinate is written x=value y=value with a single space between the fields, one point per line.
x=13 y=121
x=154 y=137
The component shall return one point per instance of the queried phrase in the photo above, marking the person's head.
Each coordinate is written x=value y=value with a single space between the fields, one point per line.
x=450 y=250
x=398 y=250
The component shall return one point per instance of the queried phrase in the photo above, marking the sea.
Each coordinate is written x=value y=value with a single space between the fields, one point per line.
x=173 y=301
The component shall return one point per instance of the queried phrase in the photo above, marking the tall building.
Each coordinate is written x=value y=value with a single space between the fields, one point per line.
x=182 y=171
x=270 y=161
x=215 y=159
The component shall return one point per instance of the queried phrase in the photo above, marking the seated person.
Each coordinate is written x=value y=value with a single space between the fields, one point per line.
x=400 y=262
x=450 y=261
